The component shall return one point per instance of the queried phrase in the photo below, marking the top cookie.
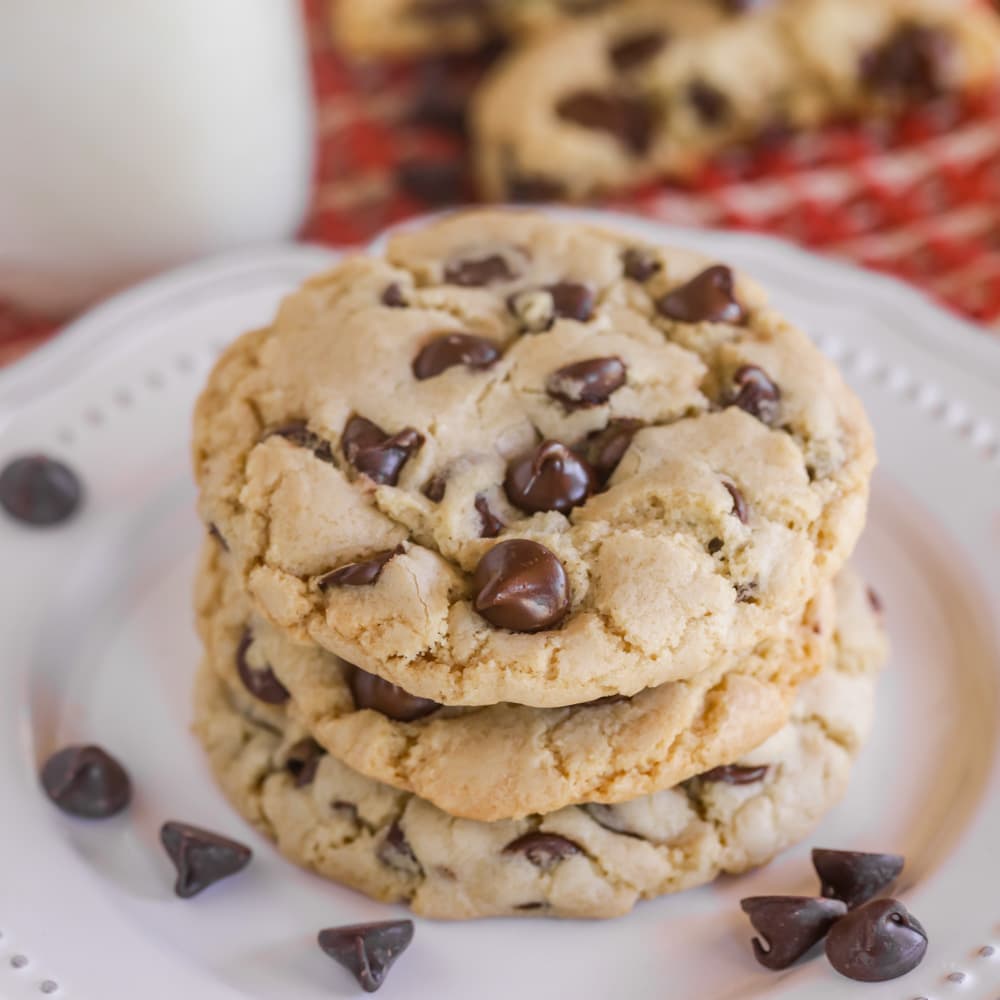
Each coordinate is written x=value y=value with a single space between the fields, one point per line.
x=527 y=460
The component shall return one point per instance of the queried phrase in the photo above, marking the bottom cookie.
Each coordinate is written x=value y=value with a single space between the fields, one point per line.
x=582 y=861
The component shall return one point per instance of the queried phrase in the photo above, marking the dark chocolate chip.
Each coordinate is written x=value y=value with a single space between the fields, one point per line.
x=912 y=65
x=572 y=300
x=630 y=119
x=587 y=383
x=490 y=524
x=450 y=349
x=367 y=951
x=359 y=574
x=200 y=856
x=550 y=477
x=605 y=449
x=533 y=188
x=393 y=297
x=260 y=682
x=632 y=51
x=434 y=488
x=640 y=265
x=879 y=940
x=436 y=182
x=86 y=781
x=608 y=817
x=374 y=453
x=789 y=926
x=520 y=585
x=372 y=691
x=755 y=392
x=302 y=760
x=475 y=272
x=531 y=906
x=711 y=105
x=734 y=774
x=714 y=546
x=39 y=491
x=740 y=508
x=709 y=297
x=855 y=876
x=298 y=433
x=213 y=530
x=537 y=308
x=543 y=850
x=395 y=851
x=348 y=810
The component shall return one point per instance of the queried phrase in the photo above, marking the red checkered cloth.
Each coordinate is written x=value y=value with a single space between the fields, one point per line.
x=918 y=198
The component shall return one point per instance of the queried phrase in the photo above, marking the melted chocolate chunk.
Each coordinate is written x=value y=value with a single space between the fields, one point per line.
x=711 y=105
x=476 y=272
x=376 y=454
x=879 y=940
x=587 y=383
x=709 y=297
x=371 y=691
x=302 y=760
x=789 y=926
x=912 y=65
x=298 y=433
x=632 y=51
x=436 y=182
x=854 y=876
x=367 y=951
x=261 y=683
x=605 y=449
x=393 y=297
x=551 y=477
x=490 y=524
x=734 y=774
x=450 y=349
x=86 y=781
x=395 y=851
x=630 y=119
x=640 y=265
x=543 y=850
x=200 y=856
x=740 y=508
x=359 y=574
x=754 y=392
x=520 y=585
x=39 y=491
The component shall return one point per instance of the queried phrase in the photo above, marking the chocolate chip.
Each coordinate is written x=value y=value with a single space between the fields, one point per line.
x=39 y=491
x=912 y=65
x=630 y=119
x=789 y=926
x=754 y=392
x=434 y=488
x=640 y=265
x=605 y=449
x=879 y=940
x=298 y=433
x=572 y=300
x=550 y=477
x=450 y=349
x=520 y=585
x=533 y=188
x=372 y=691
x=393 y=297
x=213 y=530
x=302 y=759
x=376 y=454
x=608 y=817
x=475 y=272
x=711 y=105
x=708 y=297
x=436 y=182
x=367 y=951
x=587 y=383
x=874 y=601
x=735 y=774
x=714 y=546
x=260 y=682
x=395 y=851
x=855 y=876
x=490 y=524
x=543 y=850
x=359 y=574
x=200 y=856
x=537 y=308
x=740 y=508
x=86 y=781
x=531 y=906
x=635 y=50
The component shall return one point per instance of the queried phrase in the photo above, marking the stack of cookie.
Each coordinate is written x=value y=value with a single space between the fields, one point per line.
x=525 y=585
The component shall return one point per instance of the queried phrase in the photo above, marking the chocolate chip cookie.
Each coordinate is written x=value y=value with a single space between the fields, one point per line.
x=581 y=861
x=526 y=460
x=657 y=88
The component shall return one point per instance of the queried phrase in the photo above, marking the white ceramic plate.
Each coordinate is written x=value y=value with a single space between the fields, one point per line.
x=96 y=644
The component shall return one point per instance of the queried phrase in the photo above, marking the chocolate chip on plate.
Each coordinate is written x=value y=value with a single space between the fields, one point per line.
x=261 y=682
x=756 y=393
x=587 y=383
x=640 y=264
x=39 y=491
x=549 y=477
x=789 y=926
x=302 y=760
x=86 y=781
x=543 y=850
x=736 y=774
x=200 y=856
x=709 y=297
x=631 y=119
x=740 y=508
x=376 y=454
x=606 y=448
x=520 y=585
x=367 y=951
x=879 y=940
x=359 y=574
x=372 y=691
x=855 y=876
x=632 y=51
x=489 y=524
x=448 y=350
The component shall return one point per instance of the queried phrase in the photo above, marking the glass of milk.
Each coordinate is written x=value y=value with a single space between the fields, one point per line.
x=139 y=134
